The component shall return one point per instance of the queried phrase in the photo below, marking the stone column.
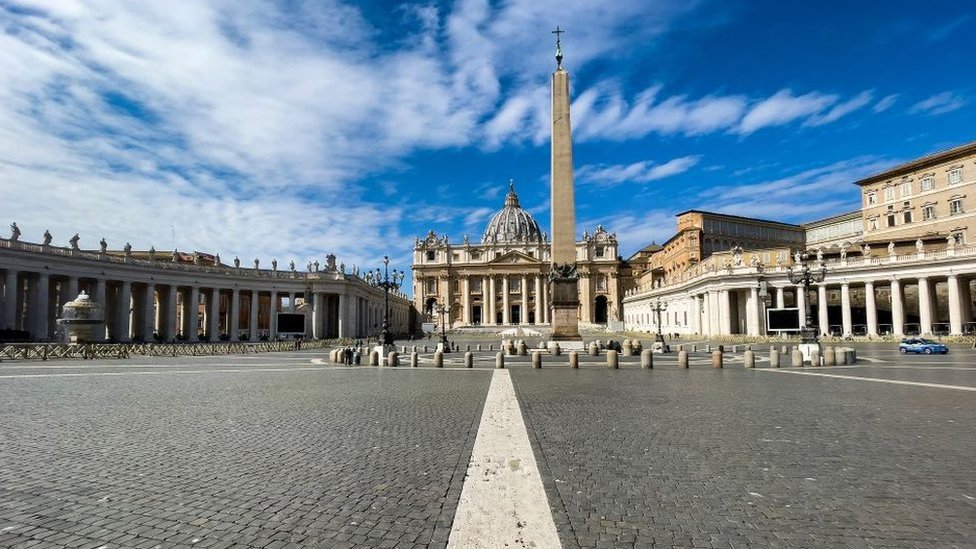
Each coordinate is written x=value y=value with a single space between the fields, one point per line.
x=149 y=313
x=524 y=309
x=273 y=316
x=696 y=313
x=506 y=320
x=253 y=316
x=353 y=317
x=193 y=315
x=897 y=308
x=124 y=319
x=538 y=299
x=823 y=316
x=780 y=298
x=42 y=303
x=10 y=300
x=343 y=315
x=291 y=302
x=724 y=312
x=98 y=334
x=845 y=308
x=492 y=313
x=924 y=306
x=234 y=323
x=871 y=307
x=466 y=300
x=213 y=315
x=545 y=300
x=170 y=331
x=754 y=311
x=711 y=304
x=317 y=308
x=801 y=304
x=955 y=306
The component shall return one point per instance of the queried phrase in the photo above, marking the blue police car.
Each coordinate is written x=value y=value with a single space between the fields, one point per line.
x=920 y=345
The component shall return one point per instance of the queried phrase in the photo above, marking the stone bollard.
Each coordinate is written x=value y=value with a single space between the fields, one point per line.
x=500 y=360
x=830 y=356
x=773 y=357
x=467 y=347
x=557 y=350
x=403 y=349
x=523 y=349
x=694 y=348
x=748 y=347
x=425 y=348
x=627 y=349
x=393 y=359
x=708 y=348
x=413 y=360
x=413 y=349
x=357 y=358
x=478 y=347
x=374 y=358
x=438 y=359
x=735 y=349
x=721 y=348
x=647 y=359
x=682 y=359
x=815 y=358
x=681 y=347
x=612 y=361
x=491 y=347
x=717 y=358
x=849 y=356
x=468 y=360
x=573 y=359
x=749 y=359
x=796 y=358
x=536 y=359
x=332 y=355
x=594 y=349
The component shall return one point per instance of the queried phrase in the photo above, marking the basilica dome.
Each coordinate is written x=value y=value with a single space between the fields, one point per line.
x=512 y=224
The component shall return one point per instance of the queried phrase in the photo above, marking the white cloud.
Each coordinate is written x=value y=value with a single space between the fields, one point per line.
x=940 y=103
x=783 y=108
x=638 y=172
x=841 y=109
x=885 y=103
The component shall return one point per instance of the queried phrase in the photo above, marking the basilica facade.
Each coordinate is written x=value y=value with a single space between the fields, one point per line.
x=501 y=280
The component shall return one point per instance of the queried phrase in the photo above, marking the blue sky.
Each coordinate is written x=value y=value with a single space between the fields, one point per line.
x=292 y=129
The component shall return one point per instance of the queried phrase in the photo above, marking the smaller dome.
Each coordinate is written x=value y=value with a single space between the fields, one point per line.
x=512 y=224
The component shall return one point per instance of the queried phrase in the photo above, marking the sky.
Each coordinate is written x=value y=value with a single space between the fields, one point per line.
x=291 y=129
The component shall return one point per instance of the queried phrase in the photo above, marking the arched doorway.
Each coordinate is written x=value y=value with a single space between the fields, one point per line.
x=476 y=314
x=429 y=308
x=600 y=310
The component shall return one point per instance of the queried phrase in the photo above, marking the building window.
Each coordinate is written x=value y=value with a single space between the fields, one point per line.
x=907 y=216
x=601 y=283
x=959 y=238
x=889 y=194
x=872 y=198
x=475 y=254
x=927 y=183
x=891 y=216
x=955 y=176
x=432 y=286
x=928 y=212
x=456 y=256
x=873 y=224
x=431 y=255
x=599 y=251
x=955 y=206
x=906 y=189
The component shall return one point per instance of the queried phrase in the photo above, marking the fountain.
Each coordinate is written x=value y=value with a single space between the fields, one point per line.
x=79 y=319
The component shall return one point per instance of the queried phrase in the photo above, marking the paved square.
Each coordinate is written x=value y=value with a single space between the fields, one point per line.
x=286 y=450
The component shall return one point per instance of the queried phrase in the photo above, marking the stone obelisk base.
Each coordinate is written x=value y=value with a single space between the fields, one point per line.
x=565 y=311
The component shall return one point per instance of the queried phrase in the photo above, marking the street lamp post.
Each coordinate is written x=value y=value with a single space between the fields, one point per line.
x=658 y=308
x=383 y=279
x=806 y=276
x=442 y=310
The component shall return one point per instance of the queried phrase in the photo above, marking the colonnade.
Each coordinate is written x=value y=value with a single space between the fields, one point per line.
x=145 y=300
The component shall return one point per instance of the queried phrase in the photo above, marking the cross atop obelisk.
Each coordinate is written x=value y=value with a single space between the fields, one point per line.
x=562 y=271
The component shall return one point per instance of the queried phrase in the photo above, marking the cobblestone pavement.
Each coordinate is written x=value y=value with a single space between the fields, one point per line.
x=288 y=450
x=254 y=459
x=737 y=458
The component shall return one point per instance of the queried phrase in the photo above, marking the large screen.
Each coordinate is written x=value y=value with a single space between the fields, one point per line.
x=291 y=323
x=783 y=320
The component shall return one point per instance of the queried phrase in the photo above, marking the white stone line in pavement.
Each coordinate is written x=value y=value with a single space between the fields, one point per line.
x=503 y=503
x=876 y=380
x=906 y=367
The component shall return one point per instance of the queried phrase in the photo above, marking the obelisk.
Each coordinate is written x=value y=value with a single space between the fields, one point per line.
x=563 y=276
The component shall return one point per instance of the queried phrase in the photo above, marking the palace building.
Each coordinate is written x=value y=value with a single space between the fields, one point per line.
x=905 y=263
x=501 y=280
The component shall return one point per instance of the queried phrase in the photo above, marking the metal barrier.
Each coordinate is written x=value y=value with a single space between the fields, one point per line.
x=46 y=351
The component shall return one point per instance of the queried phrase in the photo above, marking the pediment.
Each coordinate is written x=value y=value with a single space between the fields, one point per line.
x=515 y=257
